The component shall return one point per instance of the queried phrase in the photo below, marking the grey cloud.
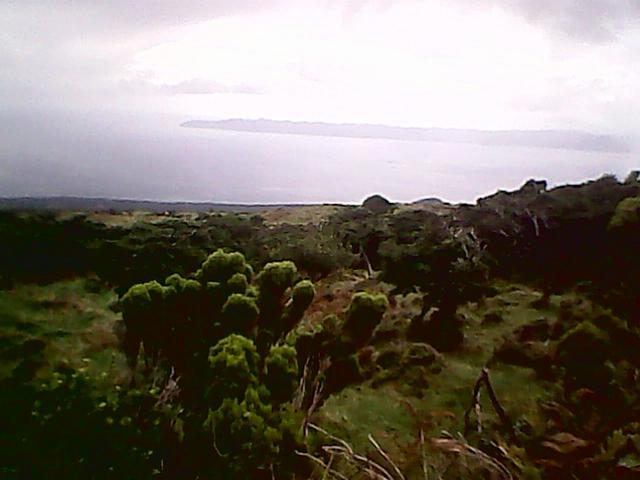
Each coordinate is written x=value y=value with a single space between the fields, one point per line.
x=589 y=19
x=51 y=49
x=126 y=16
x=584 y=20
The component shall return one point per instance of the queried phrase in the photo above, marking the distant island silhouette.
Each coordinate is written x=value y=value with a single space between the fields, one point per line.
x=559 y=139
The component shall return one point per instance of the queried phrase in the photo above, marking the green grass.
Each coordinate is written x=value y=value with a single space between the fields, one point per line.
x=67 y=322
x=385 y=413
x=70 y=322
x=362 y=410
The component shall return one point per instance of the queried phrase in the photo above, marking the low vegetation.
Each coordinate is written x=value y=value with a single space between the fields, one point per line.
x=496 y=340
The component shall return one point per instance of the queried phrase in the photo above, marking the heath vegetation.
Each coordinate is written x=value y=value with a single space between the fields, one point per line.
x=383 y=341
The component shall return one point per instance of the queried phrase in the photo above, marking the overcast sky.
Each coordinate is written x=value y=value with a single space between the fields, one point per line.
x=491 y=64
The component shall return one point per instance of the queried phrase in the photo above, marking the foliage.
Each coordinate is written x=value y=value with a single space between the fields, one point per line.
x=302 y=295
x=315 y=251
x=233 y=363
x=441 y=327
x=253 y=429
x=240 y=314
x=227 y=350
x=627 y=214
x=252 y=439
x=237 y=392
x=363 y=315
x=221 y=267
x=238 y=283
x=276 y=277
x=281 y=373
x=63 y=429
x=583 y=352
x=273 y=280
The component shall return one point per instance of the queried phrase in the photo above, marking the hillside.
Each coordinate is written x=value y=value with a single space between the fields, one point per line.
x=494 y=340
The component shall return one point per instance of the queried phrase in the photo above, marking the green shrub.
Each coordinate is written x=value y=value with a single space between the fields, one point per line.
x=363 y=315
x=176 y=281
x=281 y=373
x=64 y=428
x=221 y=266
x=627 y=214
x=277 y=316
x=583 y=353
x=276 y=277
x=251 y=439
x=233 y=363
x=135 y=303
x=240 y=315
x=204 y=329
x=301 y=297
x=237 y=283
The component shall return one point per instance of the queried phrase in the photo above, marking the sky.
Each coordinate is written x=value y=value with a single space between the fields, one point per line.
x=82 y=82
x=494 y=64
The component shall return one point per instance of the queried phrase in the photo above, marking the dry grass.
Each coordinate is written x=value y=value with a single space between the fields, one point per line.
x=300 y=215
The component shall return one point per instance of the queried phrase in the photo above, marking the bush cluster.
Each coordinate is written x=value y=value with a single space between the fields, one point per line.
x=222 y=332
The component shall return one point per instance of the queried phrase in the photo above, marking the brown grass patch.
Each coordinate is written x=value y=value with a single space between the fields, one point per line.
x=99 y=337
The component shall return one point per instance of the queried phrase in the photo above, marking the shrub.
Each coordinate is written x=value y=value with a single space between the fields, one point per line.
x=301 y=297
x=64 y=428
x=281 y=373
x=233 y=363
x=204 y=328
x=273 y=281
x=276 y=277
x=441 y=328
x=363 y=315
x=627 y=213
x=251 y=439
x=240 y=315
x=583 y=353
x=221 y=266
x=237 y=283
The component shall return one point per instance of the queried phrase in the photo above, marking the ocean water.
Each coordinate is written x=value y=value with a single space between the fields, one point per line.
x=136 y=157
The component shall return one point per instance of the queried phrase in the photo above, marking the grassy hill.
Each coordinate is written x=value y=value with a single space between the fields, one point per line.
x=499 y=341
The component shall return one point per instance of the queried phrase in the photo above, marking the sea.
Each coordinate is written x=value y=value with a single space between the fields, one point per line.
x=152 y=157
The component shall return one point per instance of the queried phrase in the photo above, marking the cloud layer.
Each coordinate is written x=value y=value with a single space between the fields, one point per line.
x=93 y=93
x=591 y=20
x=494 y=64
